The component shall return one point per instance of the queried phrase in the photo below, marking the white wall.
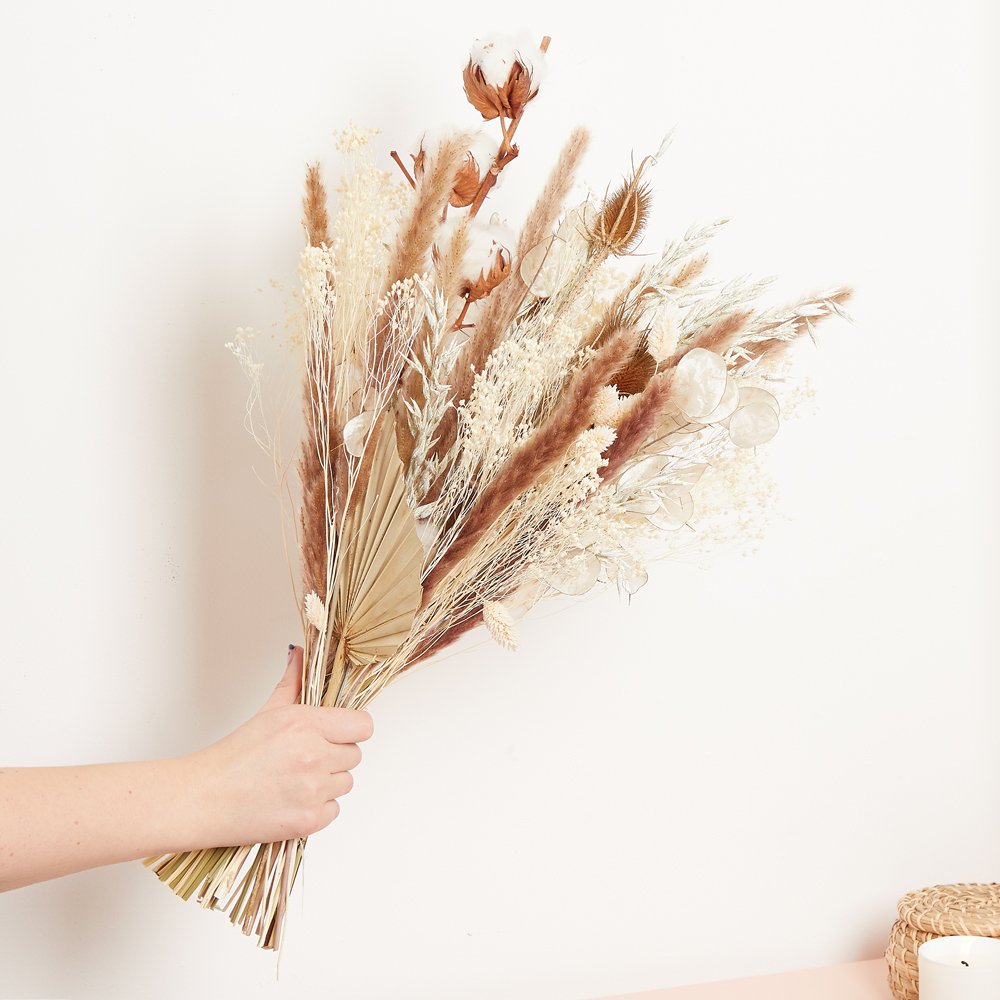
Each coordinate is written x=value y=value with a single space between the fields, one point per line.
x=738 y=774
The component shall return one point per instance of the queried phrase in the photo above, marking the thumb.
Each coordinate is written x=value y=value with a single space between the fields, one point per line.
x=288 y=688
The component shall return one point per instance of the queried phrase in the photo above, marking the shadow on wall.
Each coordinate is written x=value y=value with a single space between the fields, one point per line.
x=242 y=614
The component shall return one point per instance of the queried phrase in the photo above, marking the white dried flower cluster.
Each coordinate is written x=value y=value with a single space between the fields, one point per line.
x=608 y=406
x=241 y=346
x=594 y=543
x=318 y=277
x=580 y=470
x=511 y=394
x=368 y=202
x=353 y=138
x=398 y=316
x=315 y=611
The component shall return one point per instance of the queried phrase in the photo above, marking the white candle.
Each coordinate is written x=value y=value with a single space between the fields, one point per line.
x=959 y=968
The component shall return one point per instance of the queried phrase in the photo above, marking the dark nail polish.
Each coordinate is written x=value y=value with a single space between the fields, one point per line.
x=291 y=646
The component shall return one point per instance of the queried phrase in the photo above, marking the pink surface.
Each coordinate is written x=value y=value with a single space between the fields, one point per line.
x=856 y=981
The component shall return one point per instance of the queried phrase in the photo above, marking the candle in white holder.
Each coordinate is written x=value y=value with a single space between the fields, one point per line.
x=959 y=968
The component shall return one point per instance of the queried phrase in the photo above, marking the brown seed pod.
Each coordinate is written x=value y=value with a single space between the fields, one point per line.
x=467 y=183
x=489 y=278
x=622 y=219
x=507 y=99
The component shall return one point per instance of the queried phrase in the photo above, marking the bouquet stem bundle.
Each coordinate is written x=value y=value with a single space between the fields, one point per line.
x=489 y=419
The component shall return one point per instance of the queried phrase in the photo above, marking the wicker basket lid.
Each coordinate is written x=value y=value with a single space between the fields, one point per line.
x=966 y=908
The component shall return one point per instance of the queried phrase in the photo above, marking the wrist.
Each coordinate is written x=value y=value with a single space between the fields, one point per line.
x=192 y=801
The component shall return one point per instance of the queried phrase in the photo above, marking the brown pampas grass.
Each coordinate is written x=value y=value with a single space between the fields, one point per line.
x=551 y=201
x=448 y=262
x=688 y=272
x=642 y=413
x=719 y=336
x=315 y=218
x=420 y=226
x=313 y=513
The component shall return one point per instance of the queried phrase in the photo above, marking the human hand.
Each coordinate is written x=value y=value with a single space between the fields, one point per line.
x=279 y=775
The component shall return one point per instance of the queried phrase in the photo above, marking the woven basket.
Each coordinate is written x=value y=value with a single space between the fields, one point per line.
x=939 y=911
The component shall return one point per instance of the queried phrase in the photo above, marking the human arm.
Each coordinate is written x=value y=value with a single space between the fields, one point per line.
x=276 y=777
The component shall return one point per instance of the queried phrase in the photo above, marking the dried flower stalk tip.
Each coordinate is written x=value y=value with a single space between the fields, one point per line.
x=498 y=623
x=315 y=217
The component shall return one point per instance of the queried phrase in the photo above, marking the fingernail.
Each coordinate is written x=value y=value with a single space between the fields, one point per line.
x=291 y=646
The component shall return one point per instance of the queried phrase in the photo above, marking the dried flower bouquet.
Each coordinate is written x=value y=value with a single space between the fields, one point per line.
x=490 y=420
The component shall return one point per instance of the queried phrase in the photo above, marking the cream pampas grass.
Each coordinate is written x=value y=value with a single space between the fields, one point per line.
x=491 y=419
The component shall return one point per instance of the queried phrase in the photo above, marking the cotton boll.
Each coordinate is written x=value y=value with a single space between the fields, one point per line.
x=487 y=258
x=483 y=240
x=483 y=149
x=496 y=55
x=502 y=75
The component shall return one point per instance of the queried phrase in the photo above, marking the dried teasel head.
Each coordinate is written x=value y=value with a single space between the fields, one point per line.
x=619 y=225
x=478 y=159
x=622 y=219
x=487 y=261
x=502 y=75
